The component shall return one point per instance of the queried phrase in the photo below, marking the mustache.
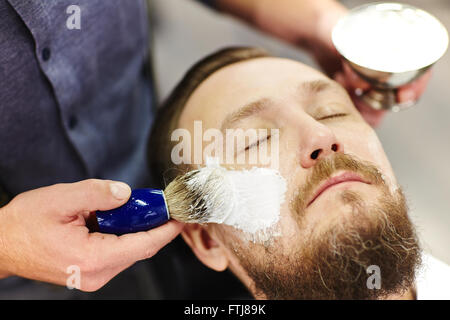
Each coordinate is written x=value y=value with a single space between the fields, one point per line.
x=326 y=167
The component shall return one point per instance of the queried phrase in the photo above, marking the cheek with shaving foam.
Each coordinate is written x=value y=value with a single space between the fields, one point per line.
x=250 y=201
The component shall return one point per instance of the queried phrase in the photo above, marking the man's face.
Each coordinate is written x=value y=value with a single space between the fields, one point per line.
x=329 y=235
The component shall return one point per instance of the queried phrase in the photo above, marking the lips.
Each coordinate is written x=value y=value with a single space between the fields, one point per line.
x=344 y=177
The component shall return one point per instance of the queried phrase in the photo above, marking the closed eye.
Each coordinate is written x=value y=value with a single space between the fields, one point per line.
x=336 y=115
x=257 y=143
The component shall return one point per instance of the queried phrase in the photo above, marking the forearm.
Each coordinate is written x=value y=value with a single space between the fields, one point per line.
x=296 y=21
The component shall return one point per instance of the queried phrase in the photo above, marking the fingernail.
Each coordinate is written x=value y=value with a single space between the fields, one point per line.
x=120 y=190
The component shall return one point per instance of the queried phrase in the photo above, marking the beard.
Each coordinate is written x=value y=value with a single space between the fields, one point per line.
x=334 y=264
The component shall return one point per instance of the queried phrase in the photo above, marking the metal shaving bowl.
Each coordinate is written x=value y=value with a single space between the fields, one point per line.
x=385 y=83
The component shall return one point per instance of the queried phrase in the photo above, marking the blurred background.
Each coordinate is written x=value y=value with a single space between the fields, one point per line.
x=417 y=141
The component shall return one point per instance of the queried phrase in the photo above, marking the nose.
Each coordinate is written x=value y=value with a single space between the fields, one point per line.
x=318 y=142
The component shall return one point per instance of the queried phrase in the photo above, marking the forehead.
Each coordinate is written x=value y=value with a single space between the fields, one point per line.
x=241 y=83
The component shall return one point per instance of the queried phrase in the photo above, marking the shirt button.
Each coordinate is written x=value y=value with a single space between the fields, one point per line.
x=73 y=121
x=46 y=53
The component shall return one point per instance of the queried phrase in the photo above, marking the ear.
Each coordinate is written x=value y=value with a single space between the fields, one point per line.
x=207 y=250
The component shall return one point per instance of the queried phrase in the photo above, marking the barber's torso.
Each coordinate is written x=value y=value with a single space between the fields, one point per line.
x=74 y=104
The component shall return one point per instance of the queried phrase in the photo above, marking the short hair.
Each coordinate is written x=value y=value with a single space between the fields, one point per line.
x=168 y=115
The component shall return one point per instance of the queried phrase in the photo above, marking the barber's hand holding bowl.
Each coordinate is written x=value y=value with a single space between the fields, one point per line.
x=43 y=232
x=353 y=83
x=309 y=24
x=321 y=47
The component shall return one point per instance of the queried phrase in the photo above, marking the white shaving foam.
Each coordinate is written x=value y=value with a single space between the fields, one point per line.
x=388 y=37
x=248 y=200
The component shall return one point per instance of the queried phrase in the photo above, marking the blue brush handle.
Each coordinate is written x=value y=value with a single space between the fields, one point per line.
x=146 y=209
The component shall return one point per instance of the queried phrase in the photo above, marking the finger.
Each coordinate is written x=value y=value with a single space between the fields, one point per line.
x=372 y=116
x=130 y=248
x=86 y=196
x=414 y=90
x=340 y=78
x=353 y=80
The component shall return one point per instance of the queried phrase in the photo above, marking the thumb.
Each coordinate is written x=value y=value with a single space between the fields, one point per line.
x=88 y=195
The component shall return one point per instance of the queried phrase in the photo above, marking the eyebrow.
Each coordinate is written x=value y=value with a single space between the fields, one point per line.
x=306 y=88
x=318 y=86
x=246 y=111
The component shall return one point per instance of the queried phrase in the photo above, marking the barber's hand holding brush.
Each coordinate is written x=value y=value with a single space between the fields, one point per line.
x=43 y=232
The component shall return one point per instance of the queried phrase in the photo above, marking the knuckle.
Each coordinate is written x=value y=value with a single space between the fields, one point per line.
x=94 y=184
x=151 y=248
x=150 y=252
x=91 y=188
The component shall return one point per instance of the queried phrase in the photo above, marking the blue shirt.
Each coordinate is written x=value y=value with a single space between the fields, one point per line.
x=74 y=104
